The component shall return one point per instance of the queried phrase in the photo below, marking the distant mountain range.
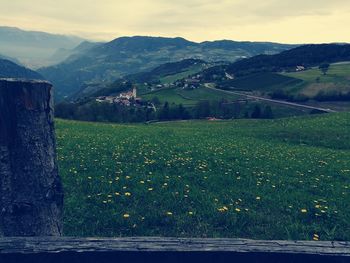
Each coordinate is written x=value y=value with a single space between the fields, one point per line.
x=127 y=55
x=97 y=69
x=291 y=75
x=8 y=69
x=14 y=60
x=34 y=49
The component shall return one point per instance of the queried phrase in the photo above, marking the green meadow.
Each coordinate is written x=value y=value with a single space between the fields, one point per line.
x=261 y=179
x=313 y=81
x=189 y=97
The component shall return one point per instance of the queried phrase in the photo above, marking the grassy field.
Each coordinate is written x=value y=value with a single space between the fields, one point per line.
x=170 y=95
x=172 y=78
x=273 y=179
x=308 y=82
x=204 y=93
x=188 y=97
x=265 y=82
x=337 y=78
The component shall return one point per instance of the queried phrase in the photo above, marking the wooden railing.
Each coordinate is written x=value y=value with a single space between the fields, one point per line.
x=168 y=250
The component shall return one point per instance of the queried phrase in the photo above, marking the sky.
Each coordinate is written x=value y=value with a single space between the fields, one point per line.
x=285 y=21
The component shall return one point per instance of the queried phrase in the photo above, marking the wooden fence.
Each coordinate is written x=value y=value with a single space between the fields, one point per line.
x=167 y=250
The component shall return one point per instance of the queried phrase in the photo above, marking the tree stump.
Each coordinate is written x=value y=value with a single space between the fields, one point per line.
x=30 y=188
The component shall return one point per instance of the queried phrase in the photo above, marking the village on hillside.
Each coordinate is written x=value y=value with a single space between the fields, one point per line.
x=128 y=98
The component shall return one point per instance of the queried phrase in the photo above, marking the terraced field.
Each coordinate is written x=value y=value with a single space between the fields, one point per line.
x=271 y=179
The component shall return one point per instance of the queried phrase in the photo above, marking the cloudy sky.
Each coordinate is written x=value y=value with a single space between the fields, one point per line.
x=287 y=21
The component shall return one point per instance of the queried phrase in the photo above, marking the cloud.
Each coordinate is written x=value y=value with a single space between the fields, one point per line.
x=194 y=19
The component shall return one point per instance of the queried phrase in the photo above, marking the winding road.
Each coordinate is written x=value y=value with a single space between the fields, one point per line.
x=286 y=103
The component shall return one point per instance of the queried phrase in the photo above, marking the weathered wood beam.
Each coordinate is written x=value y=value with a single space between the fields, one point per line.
x=157 y=249
x=31 y=197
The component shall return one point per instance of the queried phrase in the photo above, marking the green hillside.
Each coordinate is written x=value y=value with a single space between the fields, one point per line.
x=128 y=55
x=273 y=179
x=263 y=82
x=336 y=79
x=9 y=69
x=188 y=97
x=164 y=74
x=262 y=74
x=298 y=86
x=181 y=75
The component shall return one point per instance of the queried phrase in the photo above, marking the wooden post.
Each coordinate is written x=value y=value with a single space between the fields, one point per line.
x=30 y=189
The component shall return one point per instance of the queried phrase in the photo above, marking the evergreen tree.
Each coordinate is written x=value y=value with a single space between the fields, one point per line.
x=267 y=113
x=256 y=112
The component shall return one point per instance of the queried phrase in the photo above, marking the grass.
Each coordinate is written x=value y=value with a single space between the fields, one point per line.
x=273 y=179
x=172 y=78
x=264 y=82
x=188 y=97
x=170 y=95
x=336 y=73
x=309 y=82
x=337 y=78
x=204 y=93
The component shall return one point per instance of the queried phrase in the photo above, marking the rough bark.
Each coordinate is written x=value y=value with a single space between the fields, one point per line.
x=30 y=189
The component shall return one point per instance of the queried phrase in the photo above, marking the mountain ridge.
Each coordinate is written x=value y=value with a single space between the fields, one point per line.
x=9 y=69
x=34 y=48
x=129 y=55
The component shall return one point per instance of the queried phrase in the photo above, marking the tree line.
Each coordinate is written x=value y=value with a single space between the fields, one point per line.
x=106 y=112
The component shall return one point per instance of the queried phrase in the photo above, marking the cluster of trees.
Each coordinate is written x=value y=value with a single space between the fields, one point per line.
x=227 y=110
x=332 y=96
x=105 y=112
x=281 y=94
x=321 y=96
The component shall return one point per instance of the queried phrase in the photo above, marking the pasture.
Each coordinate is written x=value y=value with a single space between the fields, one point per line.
x=189 y=97
x=260 y=179
x=336 y=79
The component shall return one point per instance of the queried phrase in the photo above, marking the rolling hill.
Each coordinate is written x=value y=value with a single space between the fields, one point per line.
x=278 y=76
x=14 y=60
x=9 y=69
x=310 y=84
x=306 y=56
x=127 y=55
x=145 y=81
